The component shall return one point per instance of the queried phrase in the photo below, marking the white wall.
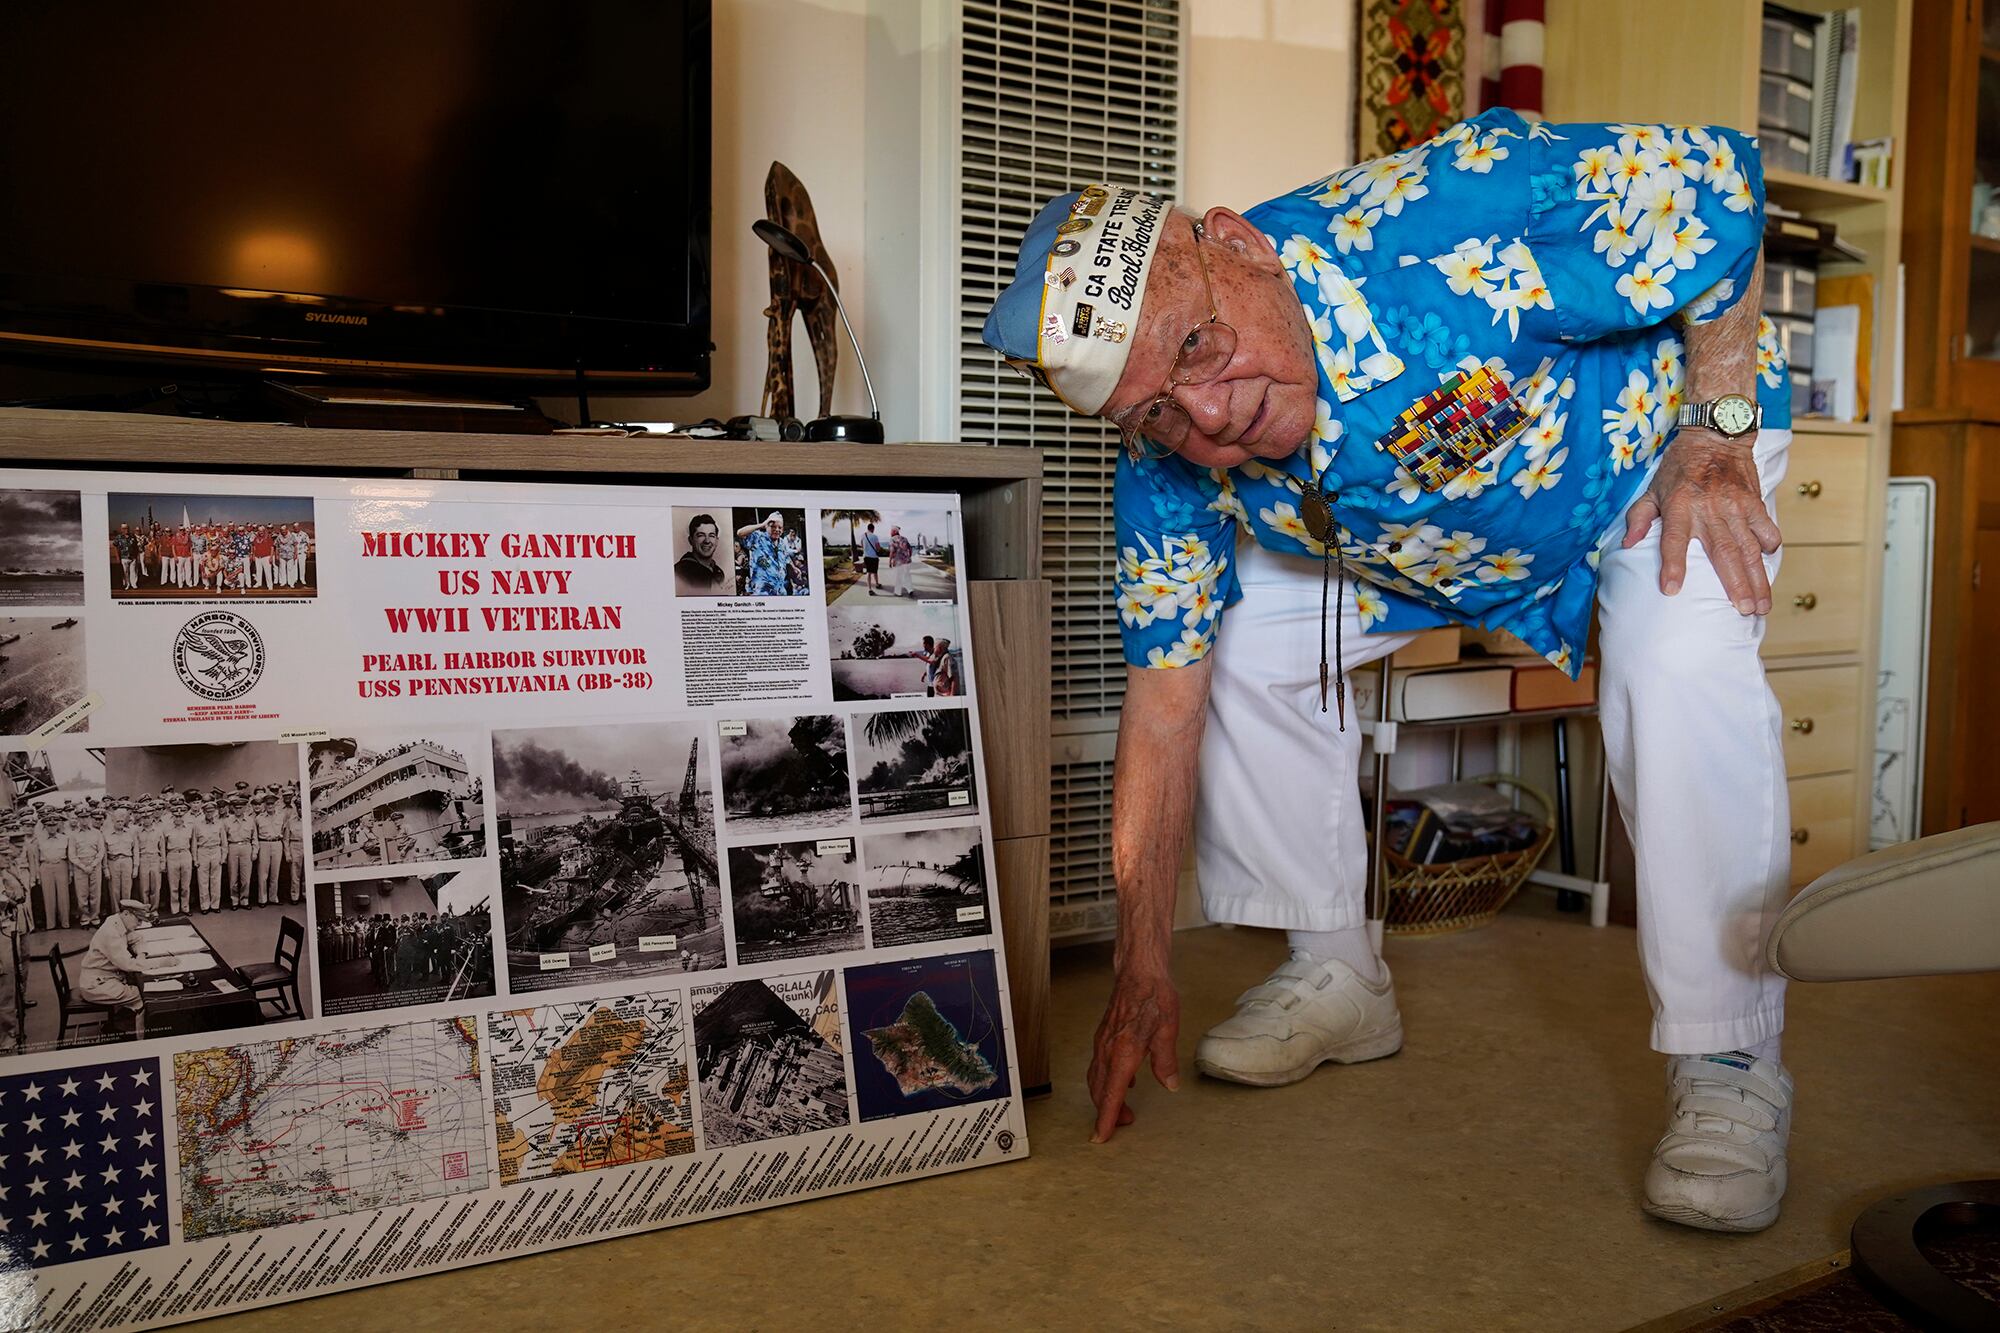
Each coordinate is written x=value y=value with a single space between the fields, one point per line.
x=1270 y=97
x=790 y=84
x=847 y=93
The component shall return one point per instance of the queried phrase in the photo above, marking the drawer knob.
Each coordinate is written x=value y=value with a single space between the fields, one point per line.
x=1805 y=601
x=1802 y=725
x=1809 y=489
x=1800 y=835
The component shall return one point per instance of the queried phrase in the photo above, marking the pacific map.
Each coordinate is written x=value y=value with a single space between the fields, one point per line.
x=313 y=1127
x=589 y=1084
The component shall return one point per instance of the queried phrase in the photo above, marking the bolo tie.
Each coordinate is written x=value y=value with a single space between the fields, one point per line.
x=1316 y=510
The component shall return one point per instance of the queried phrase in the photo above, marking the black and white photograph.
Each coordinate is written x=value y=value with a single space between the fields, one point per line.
x=210 y=547
x=187 y=858
x=870 y=555
x=41 y=672
x=394 y=940
x=41 y=548
x=704 y=564
x=924 y=885
x=768 y=546
x=770 y=1059
x=396 y=797
x=607 y=853
x=784 y=773
x=794 y=899
x=912 y=763
x=897 y=650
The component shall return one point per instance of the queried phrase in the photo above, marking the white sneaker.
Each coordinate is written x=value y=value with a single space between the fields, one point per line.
x=1721 y=1165
x=1303 y=1015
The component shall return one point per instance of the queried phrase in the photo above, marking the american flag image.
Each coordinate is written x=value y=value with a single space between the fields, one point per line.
x=82 y=1164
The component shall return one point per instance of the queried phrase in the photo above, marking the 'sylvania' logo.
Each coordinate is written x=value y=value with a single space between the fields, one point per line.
x=219 y=655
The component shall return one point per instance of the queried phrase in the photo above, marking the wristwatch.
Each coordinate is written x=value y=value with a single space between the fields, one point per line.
x=1731 y=416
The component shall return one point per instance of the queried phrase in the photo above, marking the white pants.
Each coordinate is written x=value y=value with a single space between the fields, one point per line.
x=1692 y=735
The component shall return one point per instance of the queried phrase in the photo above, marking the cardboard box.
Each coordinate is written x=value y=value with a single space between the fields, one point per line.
x=1433 y=647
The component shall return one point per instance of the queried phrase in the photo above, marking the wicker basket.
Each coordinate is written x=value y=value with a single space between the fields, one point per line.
x=1458 y=895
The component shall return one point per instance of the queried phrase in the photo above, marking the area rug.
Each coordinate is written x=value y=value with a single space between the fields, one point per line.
x=1825 y=1296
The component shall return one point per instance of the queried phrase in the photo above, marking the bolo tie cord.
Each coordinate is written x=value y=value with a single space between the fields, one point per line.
x=1328 y=561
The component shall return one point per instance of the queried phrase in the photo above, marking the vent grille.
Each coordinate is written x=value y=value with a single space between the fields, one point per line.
x=1055 y=95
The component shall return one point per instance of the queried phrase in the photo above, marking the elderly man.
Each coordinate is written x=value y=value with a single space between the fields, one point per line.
x=769 y=562
x=1507 y=376
x=111 y=969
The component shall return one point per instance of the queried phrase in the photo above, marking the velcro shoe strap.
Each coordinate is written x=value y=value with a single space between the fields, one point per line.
x=1752 y=1114
x=1709 y=1071
x=1267 y=993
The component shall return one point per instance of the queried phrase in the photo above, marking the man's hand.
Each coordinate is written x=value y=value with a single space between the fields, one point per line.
x=1706 y=488
x=1141 y=1025
x=1152 y=807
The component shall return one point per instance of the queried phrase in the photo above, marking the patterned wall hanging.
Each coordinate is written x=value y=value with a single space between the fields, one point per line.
x=1411 y=80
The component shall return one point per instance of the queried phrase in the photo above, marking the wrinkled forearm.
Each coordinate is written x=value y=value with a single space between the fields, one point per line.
x=1152 y=805
x=1722 y=354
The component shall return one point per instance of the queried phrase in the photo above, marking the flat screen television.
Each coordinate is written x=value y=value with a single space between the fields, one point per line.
x=448 y=191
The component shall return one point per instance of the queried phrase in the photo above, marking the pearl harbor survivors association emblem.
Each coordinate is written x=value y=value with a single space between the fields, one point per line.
x=219 y=655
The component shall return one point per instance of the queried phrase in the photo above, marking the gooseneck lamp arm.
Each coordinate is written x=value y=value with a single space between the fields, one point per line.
x=787 y=244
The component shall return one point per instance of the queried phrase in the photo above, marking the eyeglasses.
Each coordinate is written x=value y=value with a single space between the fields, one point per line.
x=1158 y=428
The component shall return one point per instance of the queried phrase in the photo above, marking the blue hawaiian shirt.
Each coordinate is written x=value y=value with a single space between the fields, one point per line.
x=1554 y=256
x=769 y=574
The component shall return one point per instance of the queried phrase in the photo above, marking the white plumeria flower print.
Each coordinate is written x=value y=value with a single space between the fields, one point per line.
x=1616 y=242
x=1739 y=198
x=1624 y=453
x=1630 y=164
x=1407 y=188
x=1684 y=247
x=1542 y=474
x=1355 y=229
x=1545 y=434
x=1645 y=289
x=1284 y=520
x=1303 y=255
x=1478 y=154
x=1662 y=209
x=1592 y=170
x=1406 y=487
x=1460 y=546
x=1370 y=604
x=1510 y=566
x=1635 y=404
x=1471 y=269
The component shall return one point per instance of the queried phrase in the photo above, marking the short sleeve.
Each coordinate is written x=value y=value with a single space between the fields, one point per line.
x=1176 y=527
x=1632 y=224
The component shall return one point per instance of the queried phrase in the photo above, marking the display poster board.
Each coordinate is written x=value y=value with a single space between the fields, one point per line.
x=533 y=865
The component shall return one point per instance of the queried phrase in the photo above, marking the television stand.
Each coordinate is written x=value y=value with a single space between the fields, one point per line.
x=380 y=407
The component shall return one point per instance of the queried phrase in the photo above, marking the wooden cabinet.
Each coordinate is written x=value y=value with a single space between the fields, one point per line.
x=1962 y=727
x=1949 y=429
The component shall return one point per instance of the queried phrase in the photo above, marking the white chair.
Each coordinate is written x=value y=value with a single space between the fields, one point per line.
x=1923 y=908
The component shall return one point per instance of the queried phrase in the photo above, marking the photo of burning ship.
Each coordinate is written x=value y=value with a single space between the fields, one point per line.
x=605 y=876
x=909 y=764
x=794 y=899
x=784 y=773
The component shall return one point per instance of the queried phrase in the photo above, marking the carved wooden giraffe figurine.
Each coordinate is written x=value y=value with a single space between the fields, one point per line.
x=795 y=287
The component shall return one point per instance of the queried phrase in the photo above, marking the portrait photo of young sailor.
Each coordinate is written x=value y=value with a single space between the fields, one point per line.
x=1514 y=376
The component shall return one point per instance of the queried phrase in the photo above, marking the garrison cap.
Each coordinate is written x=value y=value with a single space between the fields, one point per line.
x=1074 y=303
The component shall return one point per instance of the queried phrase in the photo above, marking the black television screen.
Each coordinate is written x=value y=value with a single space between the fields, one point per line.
x=443 y=189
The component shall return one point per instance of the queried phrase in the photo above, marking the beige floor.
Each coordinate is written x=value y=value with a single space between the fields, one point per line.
x=1486 y=1178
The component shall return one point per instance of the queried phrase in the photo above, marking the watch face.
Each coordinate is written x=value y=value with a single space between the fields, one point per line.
x=1734 y=414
